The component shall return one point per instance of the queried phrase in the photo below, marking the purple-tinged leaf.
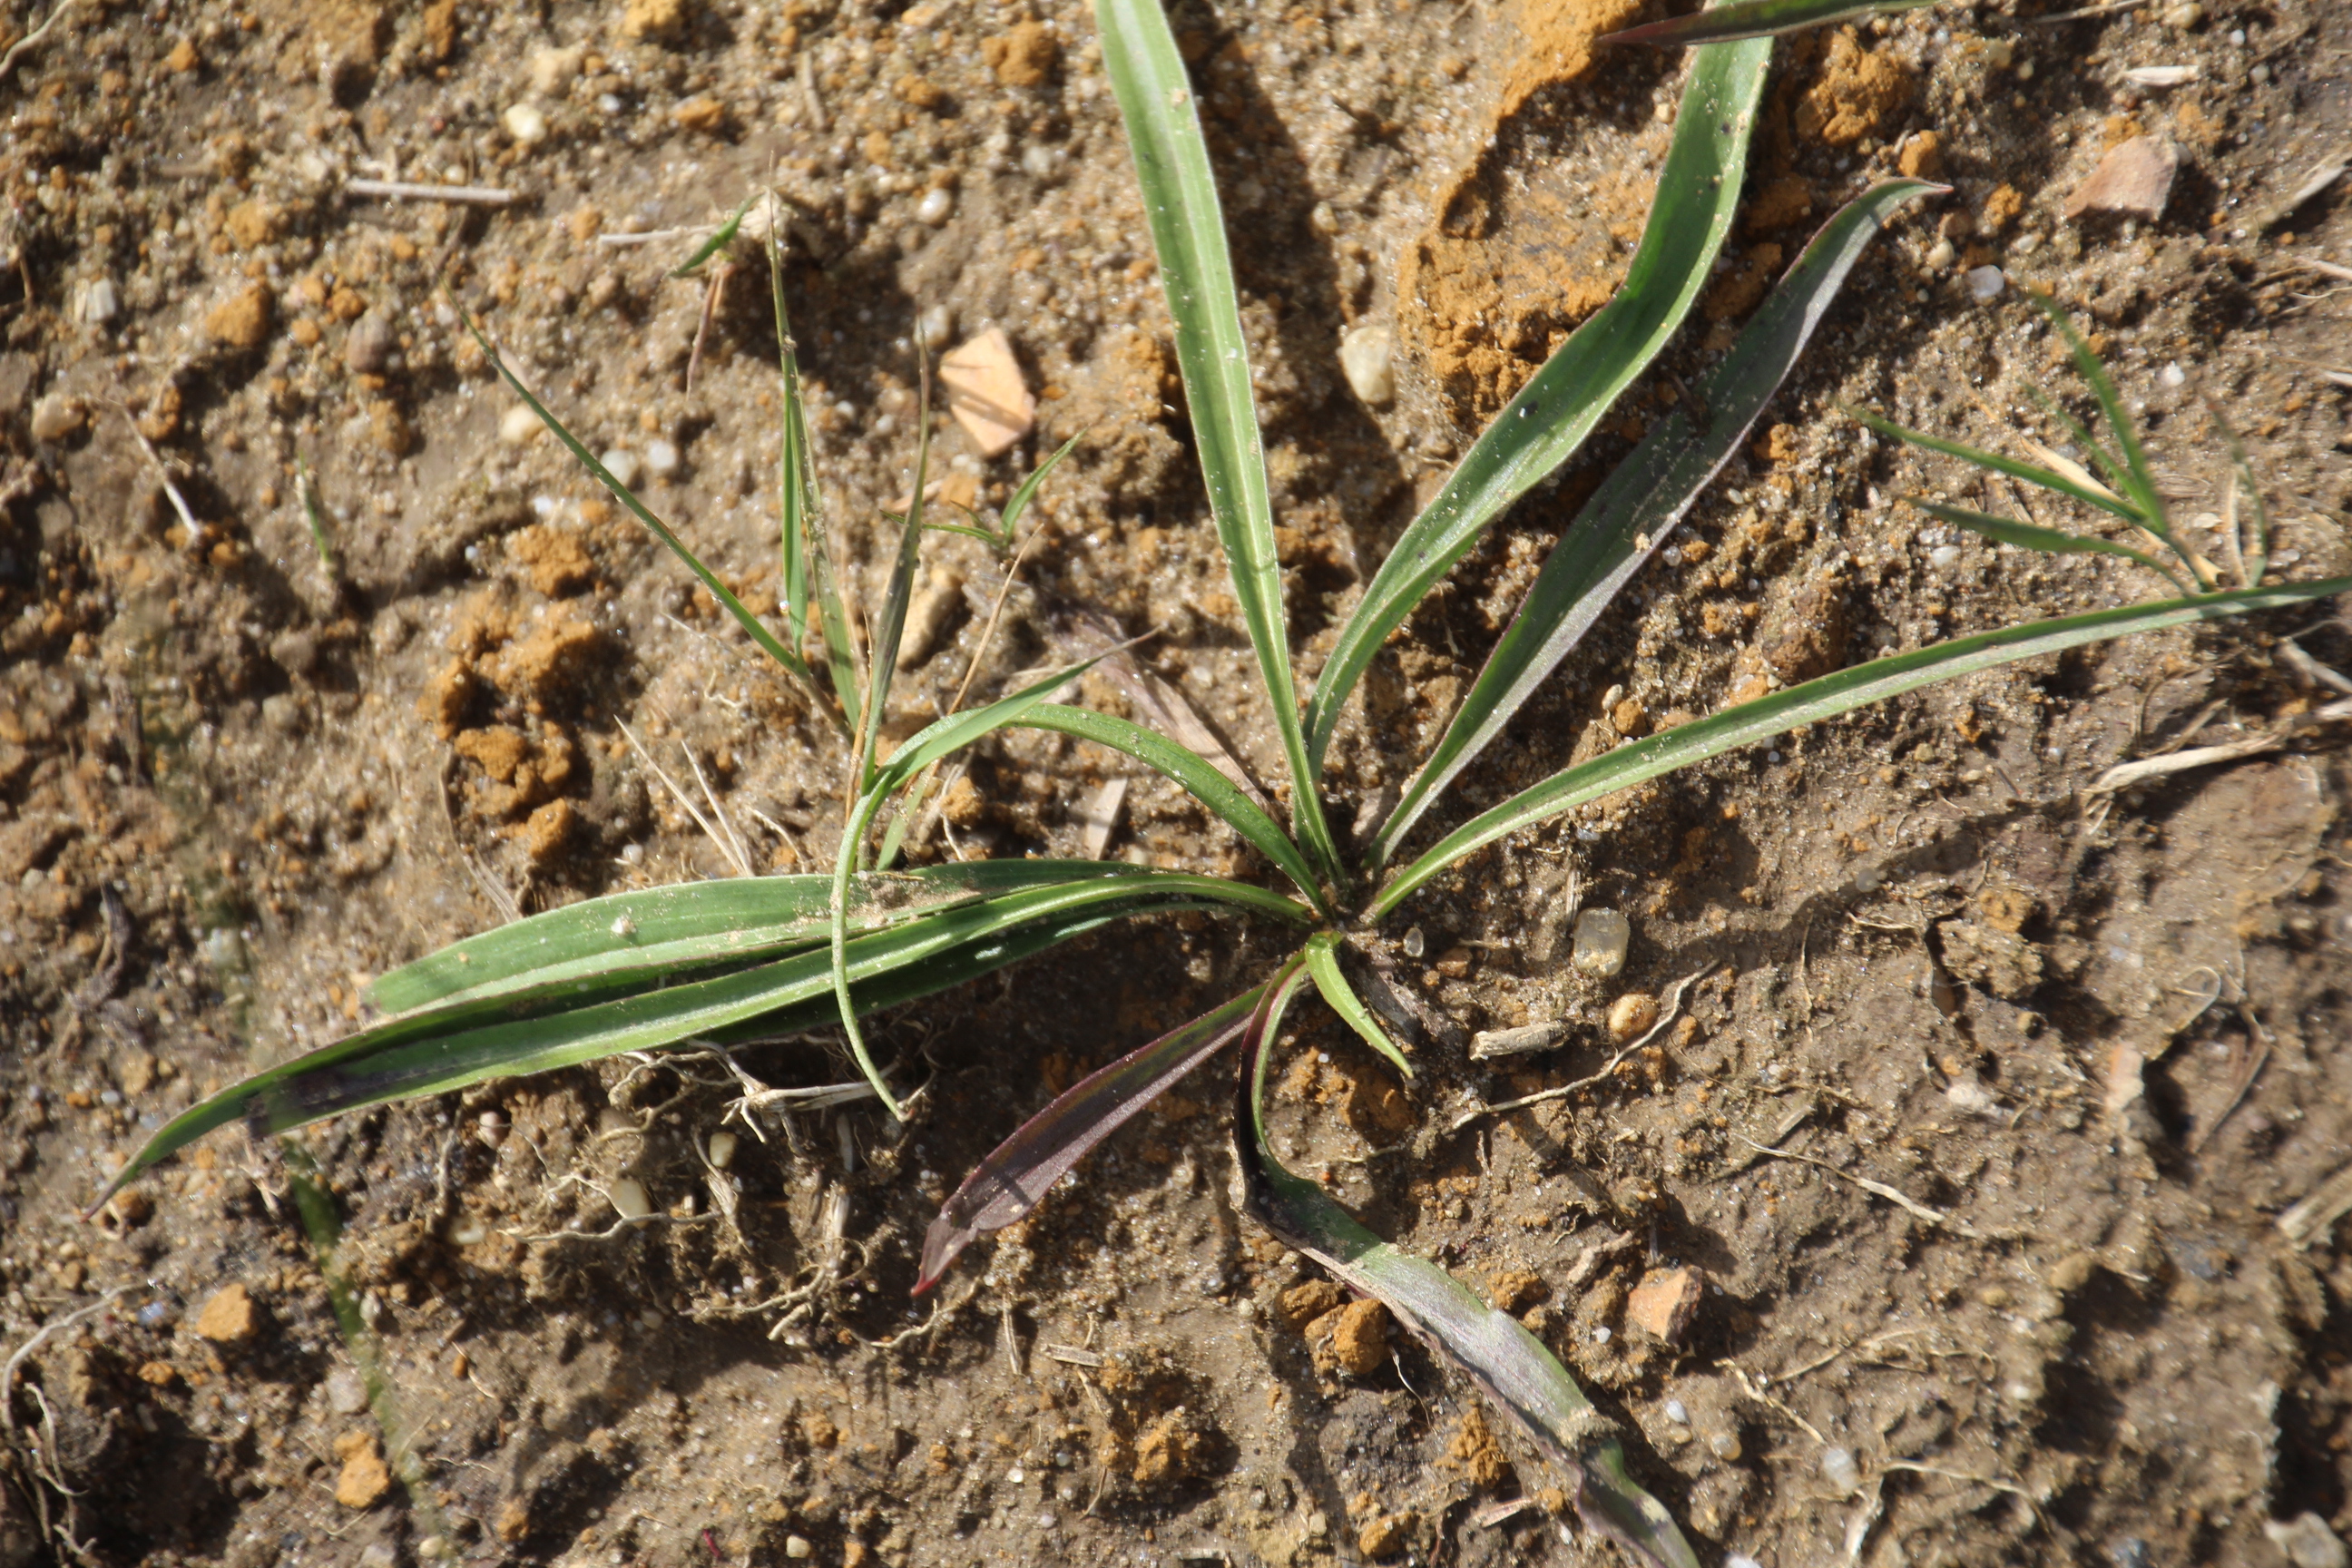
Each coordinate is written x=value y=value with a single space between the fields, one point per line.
x=1023 y=1169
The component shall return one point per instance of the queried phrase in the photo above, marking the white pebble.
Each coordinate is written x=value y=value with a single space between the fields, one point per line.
x=661 y=458
x=467 y=1232
x=1944 y=555
x=1985 y=284
x=525 y=123
x=629 y=1200
x=1941 y=254
x=1367 y=357
x=2172 y=375
x=552 y=70
x=2307 y=1542
x=624 y=466
x=101 y=302
x=55 y=417
x=935 y=326
x=938 y=203
x=1676 y=1414
x=1602 y=937
x=1601 y=1336
x=797 y=1547
x=1415 y=945
x=518 y=426
x=722 y=1150
x=1839 y=1469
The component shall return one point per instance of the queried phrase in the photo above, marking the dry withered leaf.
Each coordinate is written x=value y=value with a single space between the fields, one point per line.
x=986 y=392
x=2133 y=180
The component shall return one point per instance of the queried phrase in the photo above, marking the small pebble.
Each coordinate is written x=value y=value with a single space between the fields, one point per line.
x=370 y=345
x=629 y=1200
x=722 y=1150
x=2182 y=17
x=1416 y=943
x=1985 y=284
x=1676 y=1413
x=1368 y=356
x=624 y=466
x=935 y=326
x=1602 y=937
x=1944 y=555
x=518 y=426
x=2307 y=1542
x=797 y=1547
x=1724 y=1446
x=55 y=417
x=1631 y=1014
x=662 y=459
x=525 y=123
x=1941 y=254
x=1839 y=1469
x=937 y=205
x=100 y=302
x=1323 y=220
x=552 y=70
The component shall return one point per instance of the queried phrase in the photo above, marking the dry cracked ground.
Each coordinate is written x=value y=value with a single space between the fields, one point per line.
x=1952 y=1219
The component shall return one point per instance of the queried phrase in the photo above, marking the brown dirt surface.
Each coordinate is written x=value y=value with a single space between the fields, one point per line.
x=2094 y=1041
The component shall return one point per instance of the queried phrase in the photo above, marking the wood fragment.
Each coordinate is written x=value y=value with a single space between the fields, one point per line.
x=1071 y=1354
x=403 y=191
x=1099 y=815
x=2311 y=1219
x=1892 y=1194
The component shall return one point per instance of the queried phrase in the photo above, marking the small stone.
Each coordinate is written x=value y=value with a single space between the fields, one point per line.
x=370 y=345
x=629 y=1200
x=346 y=1390
x=230 y=1317
x=1384 y=1537
x=525 y=123
x=797 y=1547
x=2133 y=180
x=701 y=113
x=1359 y=1340
x=1632 y=1015
x=242 y=320
x=1602 y=937
x=1838 y=1468
x=937 y=205
x=388 y=428
x=182 y=59
x=2307 y=1542
x=623 y=465
x=1664 y=1304
x=55 y=417
x=1629 y=717
x=1941 y=254
x=101 y=302
x=986 y=392
x=518 y=426
x=365 y=1477
x=2072 y=1272
x=2182 y=17
x=1921 y=157
x=1985 y=283
x=1303 y=1304
x=1367 y=358
x=722 y=1151
x=552 y=69
x=656 y=21
x=935 y=325
x=662 y=458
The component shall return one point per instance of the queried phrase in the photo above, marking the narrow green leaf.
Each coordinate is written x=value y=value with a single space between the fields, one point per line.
x=2025 y=536
x=718 y=241
x=693 y=924
x=789 y=659
x=1698 y=192
x=1199 y=777
x=1825 y=698
x=1028 y=490
x=1511 y=1367
x=892 y=629
x=1187 y=231
x=1629 y=519
x=2049 y=480
x=1755 y=19
x=2135 y=481
x=1323 y=966
x=1018 y=1173
x=409 y=1057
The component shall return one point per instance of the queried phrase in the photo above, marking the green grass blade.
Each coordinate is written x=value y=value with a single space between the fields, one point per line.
x=718 y=241
x=1631 y=516
x=1188 y=233
x=2134 y=479
x=1511 y=1367
x=789 y=659
x=407 y=1057
x=1825 y=698
x=1323 y=966
x=2025 y=536
x=892 y=629
x=1019 y=503
x=692 y=924
x=2049 y=480
x=1698 y=192
x=1199 y=777
x=1017 y=1174
x=1755 y=19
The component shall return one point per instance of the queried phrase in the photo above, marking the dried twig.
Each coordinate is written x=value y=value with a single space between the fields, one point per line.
x=2310 y=1218
x=2124 y=775
x=1894 y=1196
x=403 y=191
x=32 y=40
x=71 y=1320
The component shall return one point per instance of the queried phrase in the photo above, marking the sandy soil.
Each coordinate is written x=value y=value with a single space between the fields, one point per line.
x=2093 y=1043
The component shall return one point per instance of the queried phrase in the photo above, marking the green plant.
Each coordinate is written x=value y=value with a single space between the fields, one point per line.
x=724 y=961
